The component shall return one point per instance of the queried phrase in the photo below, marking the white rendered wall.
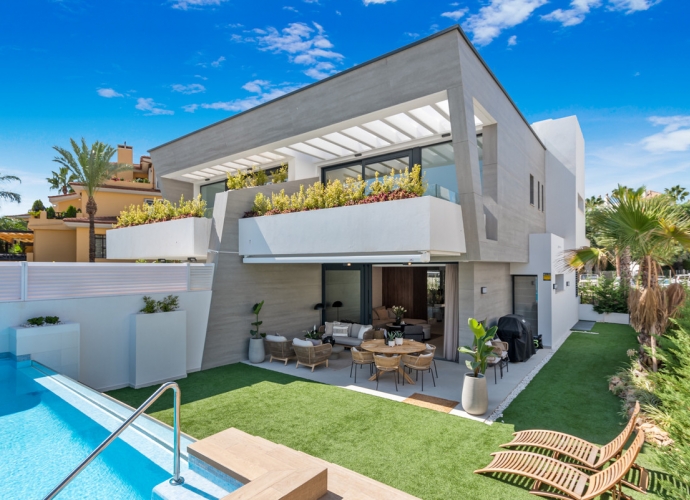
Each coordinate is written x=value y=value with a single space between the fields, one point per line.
x=412 y=225
x=564 y=140
x=558 y=311
x=105 y=327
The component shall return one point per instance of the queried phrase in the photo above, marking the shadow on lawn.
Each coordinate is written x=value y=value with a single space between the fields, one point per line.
x=206 y=384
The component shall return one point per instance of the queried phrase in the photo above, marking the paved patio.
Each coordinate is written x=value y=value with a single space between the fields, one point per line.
x=448 y=384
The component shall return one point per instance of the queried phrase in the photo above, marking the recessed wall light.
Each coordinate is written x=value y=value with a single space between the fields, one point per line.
x=484 y=290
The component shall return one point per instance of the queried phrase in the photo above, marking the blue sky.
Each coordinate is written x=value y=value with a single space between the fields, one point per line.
x=147 y=72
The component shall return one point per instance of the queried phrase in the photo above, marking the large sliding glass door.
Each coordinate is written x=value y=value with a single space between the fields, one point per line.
x=347 y=293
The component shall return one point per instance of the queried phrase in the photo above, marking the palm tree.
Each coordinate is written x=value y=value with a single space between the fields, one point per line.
x=594 y=202
x=651 y=230
x=9 y=195
x=61 y=179
x=678 y=193
x=91 y=167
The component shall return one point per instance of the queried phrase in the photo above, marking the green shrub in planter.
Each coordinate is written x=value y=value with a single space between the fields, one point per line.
x=50 y=213
x=39 y=321
x=70 y=212
x=52 y=320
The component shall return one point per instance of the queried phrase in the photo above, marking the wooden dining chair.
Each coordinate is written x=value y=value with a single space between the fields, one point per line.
x=387 y=364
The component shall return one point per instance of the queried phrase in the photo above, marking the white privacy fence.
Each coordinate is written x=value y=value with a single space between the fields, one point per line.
x=62 y=280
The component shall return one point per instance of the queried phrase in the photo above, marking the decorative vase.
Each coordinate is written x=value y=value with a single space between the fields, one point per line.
x=475 y=398
x=398 y=320
x=257 y=354
x=398 y=341
x=391 y=343
x=314 y=341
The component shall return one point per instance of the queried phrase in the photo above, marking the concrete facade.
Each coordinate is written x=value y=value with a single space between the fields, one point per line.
x=498 y=220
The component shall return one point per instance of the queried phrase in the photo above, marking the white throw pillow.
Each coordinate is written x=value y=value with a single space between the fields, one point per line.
x=275 y=338
x=302 y=343
x=363 y=329
x=341 y=330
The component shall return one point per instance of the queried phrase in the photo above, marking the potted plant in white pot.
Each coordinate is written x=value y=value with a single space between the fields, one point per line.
x=313 y=336
x=390 y=337
x=399 y=337
x=257 y=354
x=475 y=398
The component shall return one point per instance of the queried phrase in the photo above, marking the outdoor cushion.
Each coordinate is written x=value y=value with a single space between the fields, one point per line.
x=381 y=313
x=275 y=338
x=348 y=341
x=362 y=329
x=391 y=314
x=302 y=343
x=341 y=330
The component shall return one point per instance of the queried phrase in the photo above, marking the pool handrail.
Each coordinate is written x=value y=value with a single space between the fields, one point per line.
x=176 y=479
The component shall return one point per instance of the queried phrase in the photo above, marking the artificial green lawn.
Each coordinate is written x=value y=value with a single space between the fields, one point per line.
x=425 y=453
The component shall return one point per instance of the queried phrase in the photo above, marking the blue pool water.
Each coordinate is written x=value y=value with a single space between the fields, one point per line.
x=43 y=438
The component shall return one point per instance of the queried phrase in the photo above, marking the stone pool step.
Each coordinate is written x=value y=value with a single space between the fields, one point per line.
x=272 y=471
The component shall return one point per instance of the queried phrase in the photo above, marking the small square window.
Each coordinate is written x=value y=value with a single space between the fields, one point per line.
x=148 y=201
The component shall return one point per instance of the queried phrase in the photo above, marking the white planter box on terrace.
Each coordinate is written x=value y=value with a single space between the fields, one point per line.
x=157 y=348
x=414 y=225
x=55 y=346
x=587 y=313
x=173 y=240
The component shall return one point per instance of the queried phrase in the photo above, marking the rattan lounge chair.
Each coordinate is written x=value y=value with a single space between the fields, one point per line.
x=281 y=351
x=312 y=356
x=571 y=482
x=589 y=456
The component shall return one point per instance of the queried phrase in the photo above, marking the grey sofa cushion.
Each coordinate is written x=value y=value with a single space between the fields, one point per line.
x=348 y=341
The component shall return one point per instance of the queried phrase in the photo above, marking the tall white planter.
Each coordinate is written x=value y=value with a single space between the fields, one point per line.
x=257 y=353
x=157 y=348
x=55 y=346
x=475 y=398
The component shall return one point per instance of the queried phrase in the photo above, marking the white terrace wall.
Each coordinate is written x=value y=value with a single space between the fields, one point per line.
x=105 y=319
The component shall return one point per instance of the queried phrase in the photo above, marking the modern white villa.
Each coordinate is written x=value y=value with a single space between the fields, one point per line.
x=504 y=200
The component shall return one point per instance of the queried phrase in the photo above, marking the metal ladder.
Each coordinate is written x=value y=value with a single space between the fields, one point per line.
x=176 y=479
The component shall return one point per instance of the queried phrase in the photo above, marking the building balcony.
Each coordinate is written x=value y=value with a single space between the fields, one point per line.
x=171 y=240
x=401 y=231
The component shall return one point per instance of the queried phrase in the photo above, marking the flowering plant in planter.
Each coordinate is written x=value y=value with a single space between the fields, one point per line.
x=399 y=311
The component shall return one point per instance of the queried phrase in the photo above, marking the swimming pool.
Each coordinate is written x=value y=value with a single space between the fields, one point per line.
x=49 y=424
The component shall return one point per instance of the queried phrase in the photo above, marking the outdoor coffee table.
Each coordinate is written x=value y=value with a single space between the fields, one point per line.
x=335 y=351
x=408 y=347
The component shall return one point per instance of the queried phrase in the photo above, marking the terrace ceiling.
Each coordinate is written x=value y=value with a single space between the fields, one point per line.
x=417 y=121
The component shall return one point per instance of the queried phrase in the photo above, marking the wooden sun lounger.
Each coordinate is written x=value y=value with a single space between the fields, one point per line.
x=571 y=481
x=591 y=456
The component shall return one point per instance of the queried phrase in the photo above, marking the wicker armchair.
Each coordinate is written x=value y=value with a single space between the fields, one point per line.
x=361 y=358
x=421 y=363
x=312 y=356
x=282 y=351
x=387 y=364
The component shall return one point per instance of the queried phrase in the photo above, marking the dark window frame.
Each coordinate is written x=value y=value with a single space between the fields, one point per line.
x=102 y=254
x=531 y=189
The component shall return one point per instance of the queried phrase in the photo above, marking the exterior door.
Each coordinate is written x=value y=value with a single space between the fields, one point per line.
x=526 y=300
x=347 y=293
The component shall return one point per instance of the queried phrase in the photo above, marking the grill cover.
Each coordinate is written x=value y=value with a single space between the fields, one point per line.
x=517 y=331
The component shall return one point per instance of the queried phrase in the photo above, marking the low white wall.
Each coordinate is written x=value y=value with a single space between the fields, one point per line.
x=105 y=327
x=586 y=313
x=412 y=225
x=173 y=240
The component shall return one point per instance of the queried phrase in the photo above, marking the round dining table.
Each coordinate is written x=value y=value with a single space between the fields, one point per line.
x=379 y=346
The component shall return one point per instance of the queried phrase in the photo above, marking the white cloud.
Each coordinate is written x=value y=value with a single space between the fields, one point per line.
x=108 y=93
x=674 y=137
x=190 y=108
x=412 y=35
x=264 y=91
x=304 y=44
x=575 y=14
x=194 y=4
x=455 y=14
x=147 y=104
x=192 y=88
x=630 y=6
x=292 y=9
x=218 y=62
x=512 y=41
x=498 y=16
x=201 y=77
x=370 y=2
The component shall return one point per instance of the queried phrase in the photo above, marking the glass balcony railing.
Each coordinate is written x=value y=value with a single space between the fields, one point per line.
x=443 y=193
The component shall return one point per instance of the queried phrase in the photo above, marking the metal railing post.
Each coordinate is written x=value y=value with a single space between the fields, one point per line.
x=176 y=479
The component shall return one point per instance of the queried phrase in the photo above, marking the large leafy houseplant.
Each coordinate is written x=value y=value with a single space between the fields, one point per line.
x=480 y=351
x=255 y=333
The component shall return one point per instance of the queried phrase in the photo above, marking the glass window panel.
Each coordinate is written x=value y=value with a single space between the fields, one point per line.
x=480 y=150
x=384 y=168
x=343 y=287
x=438 y=168
x=342 y=174
x=100 y=246
x=208 y=194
